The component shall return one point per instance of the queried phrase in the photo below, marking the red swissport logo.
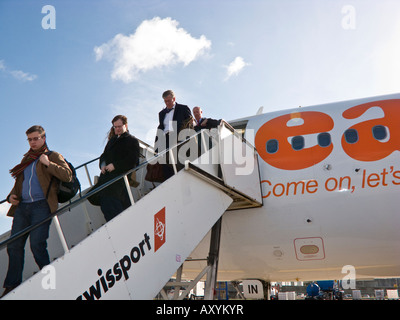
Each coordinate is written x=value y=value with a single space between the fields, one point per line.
x=159 y=229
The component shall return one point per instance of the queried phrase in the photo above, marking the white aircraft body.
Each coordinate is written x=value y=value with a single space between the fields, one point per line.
x=330 y=182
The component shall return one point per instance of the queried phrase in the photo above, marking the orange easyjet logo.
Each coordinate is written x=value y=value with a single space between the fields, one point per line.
x=281 y=142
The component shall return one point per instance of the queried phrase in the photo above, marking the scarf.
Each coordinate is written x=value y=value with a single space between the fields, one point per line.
x=29 y=157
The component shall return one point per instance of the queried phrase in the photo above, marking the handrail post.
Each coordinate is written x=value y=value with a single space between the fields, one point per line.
x=203 y=142
x=60 y=234
x=128 y=189
x=172 y=158
x=88 y=176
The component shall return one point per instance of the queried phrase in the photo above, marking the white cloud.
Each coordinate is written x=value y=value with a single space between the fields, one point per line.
x=23 y=76
x=235 y=67
x=17 y=74
x=155 y=44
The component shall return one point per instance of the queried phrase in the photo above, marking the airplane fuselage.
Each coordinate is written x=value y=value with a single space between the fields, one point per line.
x=330 y=182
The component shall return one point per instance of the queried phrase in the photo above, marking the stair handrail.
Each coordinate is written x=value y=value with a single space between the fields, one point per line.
x=81 y=199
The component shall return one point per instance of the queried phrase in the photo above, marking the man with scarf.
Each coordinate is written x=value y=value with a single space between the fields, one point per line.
x=32 y=202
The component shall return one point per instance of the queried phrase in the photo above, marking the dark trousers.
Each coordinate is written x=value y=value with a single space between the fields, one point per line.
x=28 y=214
x=114 y=202
x=168 y=169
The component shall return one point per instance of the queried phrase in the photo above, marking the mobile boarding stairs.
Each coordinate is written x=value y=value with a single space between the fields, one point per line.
x=135 y=255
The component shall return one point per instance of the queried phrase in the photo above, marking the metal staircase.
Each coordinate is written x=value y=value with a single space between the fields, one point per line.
x=134 y=255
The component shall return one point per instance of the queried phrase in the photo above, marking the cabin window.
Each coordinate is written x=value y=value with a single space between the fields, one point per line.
x=324 y=139
x=298 y=143
x=272 y=146
x=379 y=132
x=351 y=136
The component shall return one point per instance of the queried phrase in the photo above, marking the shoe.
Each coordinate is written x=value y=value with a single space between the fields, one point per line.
x=6 y=291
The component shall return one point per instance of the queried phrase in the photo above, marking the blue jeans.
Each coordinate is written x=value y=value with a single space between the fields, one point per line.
x=28 y=214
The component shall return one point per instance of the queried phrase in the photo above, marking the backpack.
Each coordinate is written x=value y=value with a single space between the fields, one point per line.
x=66 y=190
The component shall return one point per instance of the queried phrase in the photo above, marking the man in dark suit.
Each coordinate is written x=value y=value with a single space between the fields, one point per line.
x=203 y=123
x=172 y=119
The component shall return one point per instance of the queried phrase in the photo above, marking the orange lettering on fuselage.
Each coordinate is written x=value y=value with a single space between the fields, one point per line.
x=301 y=123
x=367 y=148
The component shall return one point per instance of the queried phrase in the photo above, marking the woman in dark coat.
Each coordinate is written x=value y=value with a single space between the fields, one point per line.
x=120 y=155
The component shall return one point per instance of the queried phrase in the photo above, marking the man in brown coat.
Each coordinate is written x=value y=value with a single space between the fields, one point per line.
x=31 y=204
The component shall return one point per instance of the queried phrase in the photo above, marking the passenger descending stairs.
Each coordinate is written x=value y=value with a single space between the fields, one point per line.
x=134 y=255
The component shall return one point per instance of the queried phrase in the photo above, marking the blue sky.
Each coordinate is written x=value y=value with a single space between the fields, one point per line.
x=109 y=57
